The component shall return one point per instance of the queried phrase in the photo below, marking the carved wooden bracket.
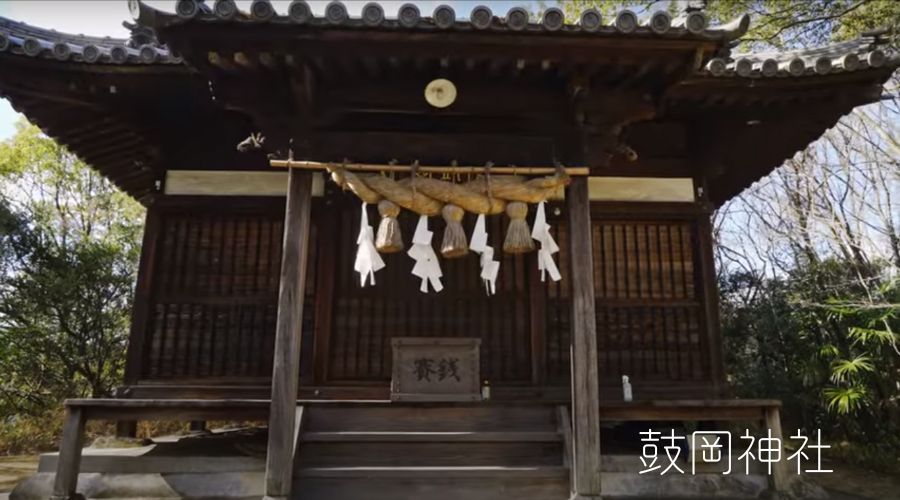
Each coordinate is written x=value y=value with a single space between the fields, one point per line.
x=277 y=98
x=604 y=114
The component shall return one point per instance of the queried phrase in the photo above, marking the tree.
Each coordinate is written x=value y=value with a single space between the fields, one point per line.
x=69 y=247
x=776 y=23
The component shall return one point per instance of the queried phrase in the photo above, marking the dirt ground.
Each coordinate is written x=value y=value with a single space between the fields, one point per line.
x=15 y=468
x=857 y=482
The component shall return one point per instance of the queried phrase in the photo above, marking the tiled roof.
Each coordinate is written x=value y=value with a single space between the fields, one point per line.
x=854 y=55
x=408 y=16
x=20 y=38
x=143 y=48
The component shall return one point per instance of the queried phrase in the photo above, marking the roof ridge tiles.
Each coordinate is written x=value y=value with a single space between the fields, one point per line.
x=839 y=57
x=18 y=37
x=659 y=23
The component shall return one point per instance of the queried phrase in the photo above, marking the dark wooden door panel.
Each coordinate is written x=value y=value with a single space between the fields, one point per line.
x=364 y=320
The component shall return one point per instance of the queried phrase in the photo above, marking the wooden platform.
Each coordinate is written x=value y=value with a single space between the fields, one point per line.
x=377 y=450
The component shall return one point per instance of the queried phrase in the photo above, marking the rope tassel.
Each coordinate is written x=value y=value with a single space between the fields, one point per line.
x=454 y=243
x=389 y=239
x=489 y=267
x=427 y=267
x=367 y=259
x=541 y=233
x=518 y=239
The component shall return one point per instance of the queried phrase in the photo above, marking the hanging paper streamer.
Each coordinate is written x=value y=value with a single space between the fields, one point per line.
x=541 y=233
x=427 y=266
x=367 y=259
x=489 y=267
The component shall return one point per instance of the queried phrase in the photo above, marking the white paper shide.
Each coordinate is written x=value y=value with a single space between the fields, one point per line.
x=427 y=266
x=489 y=267
x=367 y=258
x=540 y=231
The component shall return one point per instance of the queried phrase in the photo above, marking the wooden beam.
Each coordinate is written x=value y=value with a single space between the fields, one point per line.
x=585 y=383
x=645 y=189
x=476 y=97
x=286 y=363
x=233 y=183
x=425 y=169
x=405 y=147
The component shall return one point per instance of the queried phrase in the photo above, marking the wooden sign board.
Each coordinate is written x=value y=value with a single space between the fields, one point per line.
x=436 y=369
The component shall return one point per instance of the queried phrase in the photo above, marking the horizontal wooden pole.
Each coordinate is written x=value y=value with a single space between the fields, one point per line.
x=447 y=169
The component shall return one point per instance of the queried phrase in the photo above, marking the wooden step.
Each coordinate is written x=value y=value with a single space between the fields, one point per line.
x=424 y=436
x=418 y=472
x=443 y=418
x=433 y=483
x=429 y=453
x=439 y=452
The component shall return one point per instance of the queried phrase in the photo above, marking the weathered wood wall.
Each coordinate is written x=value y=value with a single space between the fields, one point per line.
x=212 y=304
x=213 y=299
x=649 y=310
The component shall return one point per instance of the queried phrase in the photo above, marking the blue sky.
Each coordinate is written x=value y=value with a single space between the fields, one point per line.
x=104 y=18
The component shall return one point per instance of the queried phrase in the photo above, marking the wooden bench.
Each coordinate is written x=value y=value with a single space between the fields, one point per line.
x=79 y=411
x=764 y=411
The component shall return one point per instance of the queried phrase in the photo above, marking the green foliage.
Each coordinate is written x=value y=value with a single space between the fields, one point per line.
x=24 y=434
x=848 y=370
x=822 y=341
x=776 y=23
x=69 y=245
x=845 y=400
x=788 y=23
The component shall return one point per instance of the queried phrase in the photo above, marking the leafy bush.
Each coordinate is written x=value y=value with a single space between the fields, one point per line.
x=826 y=347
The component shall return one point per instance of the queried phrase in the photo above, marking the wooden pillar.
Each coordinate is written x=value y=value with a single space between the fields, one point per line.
x=710 y=292
x=585 y=384
x=780 y=473
x=286 y=364
x=140 y=315
x=69 y=461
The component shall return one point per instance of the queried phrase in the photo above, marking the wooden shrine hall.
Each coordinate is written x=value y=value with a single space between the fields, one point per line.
x=280 y=153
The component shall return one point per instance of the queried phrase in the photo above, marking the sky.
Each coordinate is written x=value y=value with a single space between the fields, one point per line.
x=104 y=18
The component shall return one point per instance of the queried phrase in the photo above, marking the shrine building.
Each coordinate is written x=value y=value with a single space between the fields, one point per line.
x=424 y=248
